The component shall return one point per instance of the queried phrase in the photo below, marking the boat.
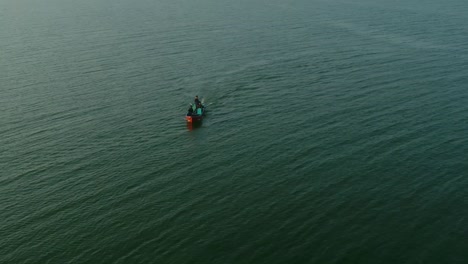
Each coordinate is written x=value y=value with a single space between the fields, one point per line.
x=196 y=115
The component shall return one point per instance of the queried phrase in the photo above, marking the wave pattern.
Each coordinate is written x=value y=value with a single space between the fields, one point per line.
x=336 y=133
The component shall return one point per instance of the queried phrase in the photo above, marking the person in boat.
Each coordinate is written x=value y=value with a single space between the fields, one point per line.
x=197 y=101
x=190 y=111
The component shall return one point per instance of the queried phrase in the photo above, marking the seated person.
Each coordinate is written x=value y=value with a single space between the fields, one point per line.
x=190 y=111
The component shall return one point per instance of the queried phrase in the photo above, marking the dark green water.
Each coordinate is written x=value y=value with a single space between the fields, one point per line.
x=337 y=131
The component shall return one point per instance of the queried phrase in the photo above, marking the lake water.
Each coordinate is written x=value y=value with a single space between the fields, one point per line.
x=337 y=131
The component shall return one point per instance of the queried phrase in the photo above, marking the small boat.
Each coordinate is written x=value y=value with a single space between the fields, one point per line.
x=196 y=115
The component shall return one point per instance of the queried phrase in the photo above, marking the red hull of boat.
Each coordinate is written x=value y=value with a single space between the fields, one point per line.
x=192 y=119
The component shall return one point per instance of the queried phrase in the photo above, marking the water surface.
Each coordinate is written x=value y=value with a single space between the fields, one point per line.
x=337 y=131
